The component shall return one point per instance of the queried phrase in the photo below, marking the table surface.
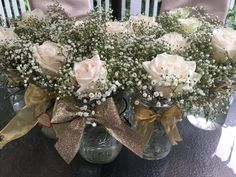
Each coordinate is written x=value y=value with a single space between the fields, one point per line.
x=201 y=154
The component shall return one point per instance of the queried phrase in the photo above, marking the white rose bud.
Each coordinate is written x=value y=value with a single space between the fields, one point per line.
x=36 y=13
x=190 y=25
x=48 y=56
x=116 y=27
x=175 y=40
x=224 y=44
x=88 y=72
x=7 y=35
x=173 y=67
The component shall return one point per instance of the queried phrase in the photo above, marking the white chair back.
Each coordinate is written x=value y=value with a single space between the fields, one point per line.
x=12 y=8
x=232 y=4
x=136 y=7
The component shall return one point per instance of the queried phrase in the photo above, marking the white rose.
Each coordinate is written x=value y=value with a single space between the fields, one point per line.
x=116 y=27
x=224 y=44
x=138 y=20
x=36 y=13
x=172 y=72
x=7 y=35
x=189 y=25
x=48 y=56
x=175 y=40
x=181 y=12
x=88 y=72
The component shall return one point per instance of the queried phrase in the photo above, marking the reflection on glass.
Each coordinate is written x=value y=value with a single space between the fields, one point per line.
x=16 y=95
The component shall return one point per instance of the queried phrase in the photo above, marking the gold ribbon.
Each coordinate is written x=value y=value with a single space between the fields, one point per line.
x=107 y=115
x=36 y=104
x=168 y=118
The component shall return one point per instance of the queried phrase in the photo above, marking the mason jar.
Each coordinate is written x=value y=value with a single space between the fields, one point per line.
x=97 y=145
x=213 y=121
x=158 y=146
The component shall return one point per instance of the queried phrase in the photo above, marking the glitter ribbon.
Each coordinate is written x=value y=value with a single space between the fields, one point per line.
x=168 y=118
x=36 y=104
x=107 y=115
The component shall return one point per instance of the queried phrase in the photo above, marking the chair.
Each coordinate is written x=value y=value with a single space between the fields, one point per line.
x=14 y=8
x=232 y=4
x=135 y=7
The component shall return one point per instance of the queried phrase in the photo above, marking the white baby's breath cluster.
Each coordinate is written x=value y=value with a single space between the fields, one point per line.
x=181 y=57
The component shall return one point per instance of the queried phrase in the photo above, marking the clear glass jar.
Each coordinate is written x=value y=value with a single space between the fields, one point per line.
x=16 y=95
x=159 y=145
x=213 y=122
x=97 y=145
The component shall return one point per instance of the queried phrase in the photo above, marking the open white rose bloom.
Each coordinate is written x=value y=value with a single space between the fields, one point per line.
x=172 y=74
x=135 y=22
x=224 y=44
x=116 y=27
x=190 y=25
x=48 y=56
x=88 y=72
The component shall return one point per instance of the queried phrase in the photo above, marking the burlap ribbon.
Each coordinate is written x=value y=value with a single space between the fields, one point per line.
x=146 y=118
x=36 y=104
x=107 y=115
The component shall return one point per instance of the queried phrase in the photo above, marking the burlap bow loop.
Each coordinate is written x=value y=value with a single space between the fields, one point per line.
x=107 y=115
x=65 y=111
x=146 y=119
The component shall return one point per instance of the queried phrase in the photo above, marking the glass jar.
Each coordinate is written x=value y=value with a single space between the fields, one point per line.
x=97 y=145
x=159 y=145
x=12 y=81
x=213 y=122
x=16 y=95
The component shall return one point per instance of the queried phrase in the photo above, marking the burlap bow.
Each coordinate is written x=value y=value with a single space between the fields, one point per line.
x=107 y=115
x=168 y=118
x=36 y=104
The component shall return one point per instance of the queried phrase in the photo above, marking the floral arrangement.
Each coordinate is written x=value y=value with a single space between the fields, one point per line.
x=183 y=58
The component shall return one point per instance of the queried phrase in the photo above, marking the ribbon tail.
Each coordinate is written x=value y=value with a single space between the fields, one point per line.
x=173 y=134
x=145 y=129
x=60 y=128
x=120 y=131
x=68 y=143
x=129 y=138
x=20 y=125
x=37 y=101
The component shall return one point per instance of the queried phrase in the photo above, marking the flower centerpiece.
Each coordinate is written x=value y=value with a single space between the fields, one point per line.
x=179 y=62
